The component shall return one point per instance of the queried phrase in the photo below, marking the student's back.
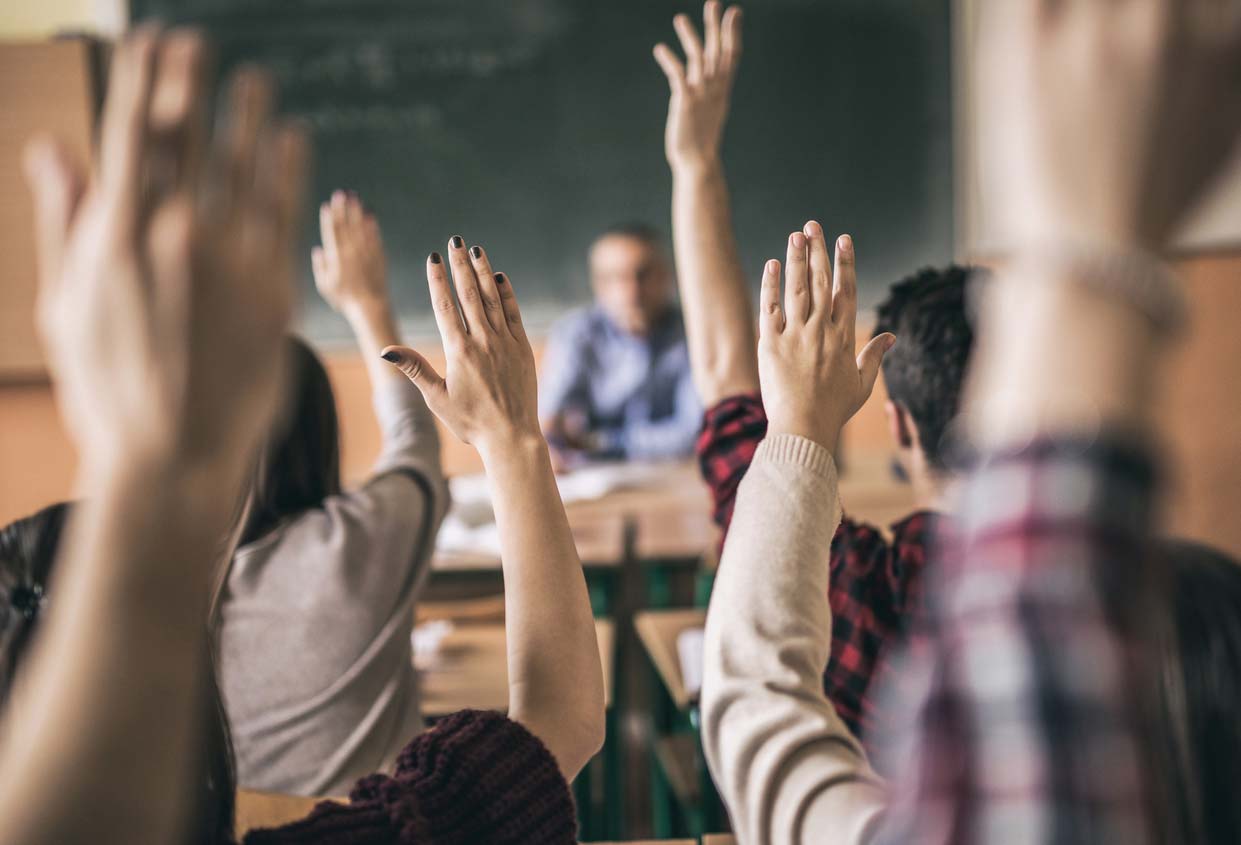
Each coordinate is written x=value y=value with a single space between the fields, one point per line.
x=316 y=614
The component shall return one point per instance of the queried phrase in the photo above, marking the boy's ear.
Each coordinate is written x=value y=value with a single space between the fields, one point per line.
x=899 y=424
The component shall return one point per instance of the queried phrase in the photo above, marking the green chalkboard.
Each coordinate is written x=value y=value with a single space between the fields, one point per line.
x=529 y=125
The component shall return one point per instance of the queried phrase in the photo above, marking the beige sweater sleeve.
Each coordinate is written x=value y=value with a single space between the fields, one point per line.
x=786 y=765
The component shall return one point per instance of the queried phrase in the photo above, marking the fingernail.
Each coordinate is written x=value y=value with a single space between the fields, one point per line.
x=891 y=342
x=799 y=240
x=810 y=228
x=844 y=243
x=457 y=243
x=477 y=252
x=391 y=356
x=501 y=279
x=435 y=258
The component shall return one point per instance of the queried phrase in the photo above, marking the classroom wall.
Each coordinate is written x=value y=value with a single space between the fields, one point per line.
x=39 y=18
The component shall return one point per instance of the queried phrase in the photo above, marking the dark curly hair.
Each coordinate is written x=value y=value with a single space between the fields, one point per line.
x=924 y=372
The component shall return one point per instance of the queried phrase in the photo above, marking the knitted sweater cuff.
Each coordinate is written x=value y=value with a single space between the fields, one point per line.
x=792 y=449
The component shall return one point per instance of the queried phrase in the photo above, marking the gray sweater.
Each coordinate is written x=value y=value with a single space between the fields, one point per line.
x=315 y=620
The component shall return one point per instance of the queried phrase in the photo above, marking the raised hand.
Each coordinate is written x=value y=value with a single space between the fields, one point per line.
x=166 y=275
x=165 y=291
x=702 y=86
x=487 y=396
x=1105 y=121
x=812 y=383
x=350 y=269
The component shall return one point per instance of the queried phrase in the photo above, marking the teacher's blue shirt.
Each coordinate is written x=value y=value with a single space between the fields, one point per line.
x=635 y=393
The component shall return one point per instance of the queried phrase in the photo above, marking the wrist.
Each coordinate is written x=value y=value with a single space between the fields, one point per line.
x=695 y=166
x=516 y=448
x=815 y=430
x=202 y=492
x=367 y=309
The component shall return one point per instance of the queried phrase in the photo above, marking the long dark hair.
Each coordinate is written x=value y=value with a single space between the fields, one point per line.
x=1200 y=692
x=299 y=466
x=27 y=556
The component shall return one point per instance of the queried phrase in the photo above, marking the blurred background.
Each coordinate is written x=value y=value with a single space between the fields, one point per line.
x=531 y=125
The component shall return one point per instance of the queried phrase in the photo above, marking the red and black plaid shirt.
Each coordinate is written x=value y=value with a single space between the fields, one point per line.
x=874 y=584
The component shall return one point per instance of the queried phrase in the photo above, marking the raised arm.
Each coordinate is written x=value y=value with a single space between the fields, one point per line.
x=163 y=307
x=351 y=274
x=787 y=766
x=1098 y=169
x=719 y=318
x=487 y=397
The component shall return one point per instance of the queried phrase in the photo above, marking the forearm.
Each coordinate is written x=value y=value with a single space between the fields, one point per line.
x=719 y=319
x=374 y=327
x=121 y=657
x=555 y=678
x=786 y=764
x=1057 y=358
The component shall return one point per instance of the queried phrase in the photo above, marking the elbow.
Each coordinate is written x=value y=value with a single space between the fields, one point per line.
x=590 y=731
x=721 y=376
x=596 y=732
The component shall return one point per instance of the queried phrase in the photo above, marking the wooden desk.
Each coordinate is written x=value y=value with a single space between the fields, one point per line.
x=658 y=630
x=671 y=520
x=719 y=839
x=472 y=669
x=267 y=809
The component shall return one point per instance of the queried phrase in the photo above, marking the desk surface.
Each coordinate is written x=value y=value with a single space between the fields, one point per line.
x=719 y=839
x=658 y=630
x=672 y=521
x=472 y=669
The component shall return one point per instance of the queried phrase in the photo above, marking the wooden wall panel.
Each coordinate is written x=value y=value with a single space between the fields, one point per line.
x=44 y=87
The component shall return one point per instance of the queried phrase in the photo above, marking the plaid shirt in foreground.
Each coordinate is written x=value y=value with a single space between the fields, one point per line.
x=1028 y=731
x=874 y=584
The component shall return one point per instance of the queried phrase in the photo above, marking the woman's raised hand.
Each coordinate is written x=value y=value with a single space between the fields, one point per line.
x=166 y=271
x=487 y=395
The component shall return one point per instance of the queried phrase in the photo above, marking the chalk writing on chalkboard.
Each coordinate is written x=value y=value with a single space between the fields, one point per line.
x=531 y=125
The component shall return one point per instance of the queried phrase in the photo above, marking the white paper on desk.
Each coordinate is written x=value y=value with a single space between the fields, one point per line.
x=689 y=649
x=457 y=535
x=426 y=641
x=470 y=525
x=595 y=481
